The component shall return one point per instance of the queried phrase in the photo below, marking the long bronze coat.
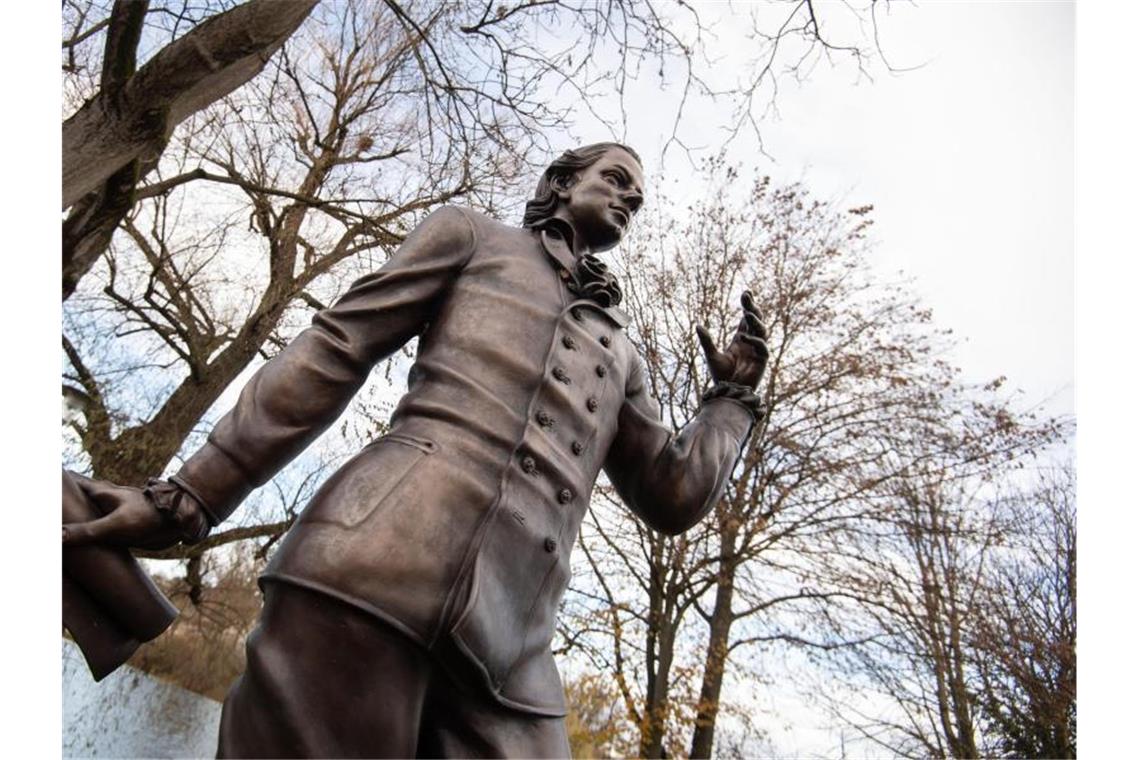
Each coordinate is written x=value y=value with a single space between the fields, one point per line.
x=457 y=526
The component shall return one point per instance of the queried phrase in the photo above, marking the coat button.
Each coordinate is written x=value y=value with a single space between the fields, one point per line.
x=600 y=370
x=564 y=496
x=569 y=342
x=592 y=404
x=576 y=448
x=577 y=314
x=561 y=375
x=544 y=419
x=550 y=545
x=529 y=466
x=604 y=340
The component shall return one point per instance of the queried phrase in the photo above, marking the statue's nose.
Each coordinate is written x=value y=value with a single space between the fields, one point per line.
x=632 y=200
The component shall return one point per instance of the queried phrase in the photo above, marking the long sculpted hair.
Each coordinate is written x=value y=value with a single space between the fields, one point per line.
x=559 y=176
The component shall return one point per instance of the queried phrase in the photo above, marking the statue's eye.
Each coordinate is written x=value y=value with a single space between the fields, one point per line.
x=613 y=178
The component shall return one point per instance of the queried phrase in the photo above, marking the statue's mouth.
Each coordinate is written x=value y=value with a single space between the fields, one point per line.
x=622 y=214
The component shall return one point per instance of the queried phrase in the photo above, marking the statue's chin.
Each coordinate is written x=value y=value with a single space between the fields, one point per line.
x=604 y=246
x=604 y=239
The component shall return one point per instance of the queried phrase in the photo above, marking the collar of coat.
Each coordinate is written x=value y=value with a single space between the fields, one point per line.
x=561 y=255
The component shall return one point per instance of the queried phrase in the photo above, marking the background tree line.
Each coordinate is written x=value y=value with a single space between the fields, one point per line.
x=880 y=527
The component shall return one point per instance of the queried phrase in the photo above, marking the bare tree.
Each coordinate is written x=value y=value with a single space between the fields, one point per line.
x=117 y=135
x=331 y=124
x=1023 y=642
x=925 y=590
x=917 y=594
x=218 y=600
x=480 y=77
x=855 y=381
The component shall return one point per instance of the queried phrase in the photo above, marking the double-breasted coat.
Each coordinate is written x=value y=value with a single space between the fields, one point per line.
x=456 y=527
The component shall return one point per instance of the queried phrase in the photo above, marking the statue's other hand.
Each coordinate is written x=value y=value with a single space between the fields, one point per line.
x=744 y=360
x=129 y=519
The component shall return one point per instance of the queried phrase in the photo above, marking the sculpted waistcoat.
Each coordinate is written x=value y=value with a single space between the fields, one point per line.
x=457 y=526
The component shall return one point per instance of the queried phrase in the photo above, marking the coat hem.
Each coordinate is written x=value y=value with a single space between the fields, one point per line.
x=388 y=619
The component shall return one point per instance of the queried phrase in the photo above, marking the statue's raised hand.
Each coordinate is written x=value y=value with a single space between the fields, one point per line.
x=129 y=519
x=744 y=360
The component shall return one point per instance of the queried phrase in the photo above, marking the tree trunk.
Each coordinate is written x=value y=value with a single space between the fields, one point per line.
x=657 y=700
x=960 y=692
x=716 y=654
x=144 y=450
x=659 y=641
x=92 y=222
x=115 y=138
x=207 y=63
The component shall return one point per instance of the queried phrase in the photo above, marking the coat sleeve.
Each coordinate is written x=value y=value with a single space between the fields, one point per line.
x=301 y=391
x=672 y=480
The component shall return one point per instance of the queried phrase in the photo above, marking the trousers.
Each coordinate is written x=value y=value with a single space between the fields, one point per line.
x=325 y=679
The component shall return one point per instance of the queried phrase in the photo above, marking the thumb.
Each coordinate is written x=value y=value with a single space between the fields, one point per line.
x=100 y=493
x=90 y=532
x=707 y=344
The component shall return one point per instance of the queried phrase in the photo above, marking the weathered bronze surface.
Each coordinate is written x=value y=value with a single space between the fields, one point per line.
x=452 y=534
x=110 y=606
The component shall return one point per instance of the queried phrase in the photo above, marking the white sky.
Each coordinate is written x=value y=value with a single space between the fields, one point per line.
x=967 y=160
x=969 y=163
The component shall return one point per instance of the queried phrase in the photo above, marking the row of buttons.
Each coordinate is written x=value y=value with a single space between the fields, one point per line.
x=577 y=314
x=565 y=496
x=560 y=374
x=546 y=421
x=530 y=467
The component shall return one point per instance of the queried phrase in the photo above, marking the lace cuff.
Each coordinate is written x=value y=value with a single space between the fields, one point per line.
x=741 y=394
x=178 y=508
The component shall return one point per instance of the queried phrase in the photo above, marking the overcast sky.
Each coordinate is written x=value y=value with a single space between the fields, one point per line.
x=968 y=161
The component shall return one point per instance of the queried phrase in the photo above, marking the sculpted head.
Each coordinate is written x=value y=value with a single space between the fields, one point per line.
x=595 y=189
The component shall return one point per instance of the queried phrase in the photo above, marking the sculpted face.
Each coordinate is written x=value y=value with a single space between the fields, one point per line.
x=603 y=198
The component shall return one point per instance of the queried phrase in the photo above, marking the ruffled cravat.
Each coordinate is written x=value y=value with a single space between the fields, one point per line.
x=592 y=279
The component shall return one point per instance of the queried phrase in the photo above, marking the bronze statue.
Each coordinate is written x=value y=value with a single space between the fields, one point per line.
x=410 y=610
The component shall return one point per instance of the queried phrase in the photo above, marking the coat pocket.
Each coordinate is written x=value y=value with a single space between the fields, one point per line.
x=371 y=478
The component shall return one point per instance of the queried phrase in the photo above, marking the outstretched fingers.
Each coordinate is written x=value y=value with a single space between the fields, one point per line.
x=756 y=342
x=752 y=322
x=753 y=325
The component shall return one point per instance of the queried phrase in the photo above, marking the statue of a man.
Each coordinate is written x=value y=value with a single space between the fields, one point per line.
x=410 y=610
